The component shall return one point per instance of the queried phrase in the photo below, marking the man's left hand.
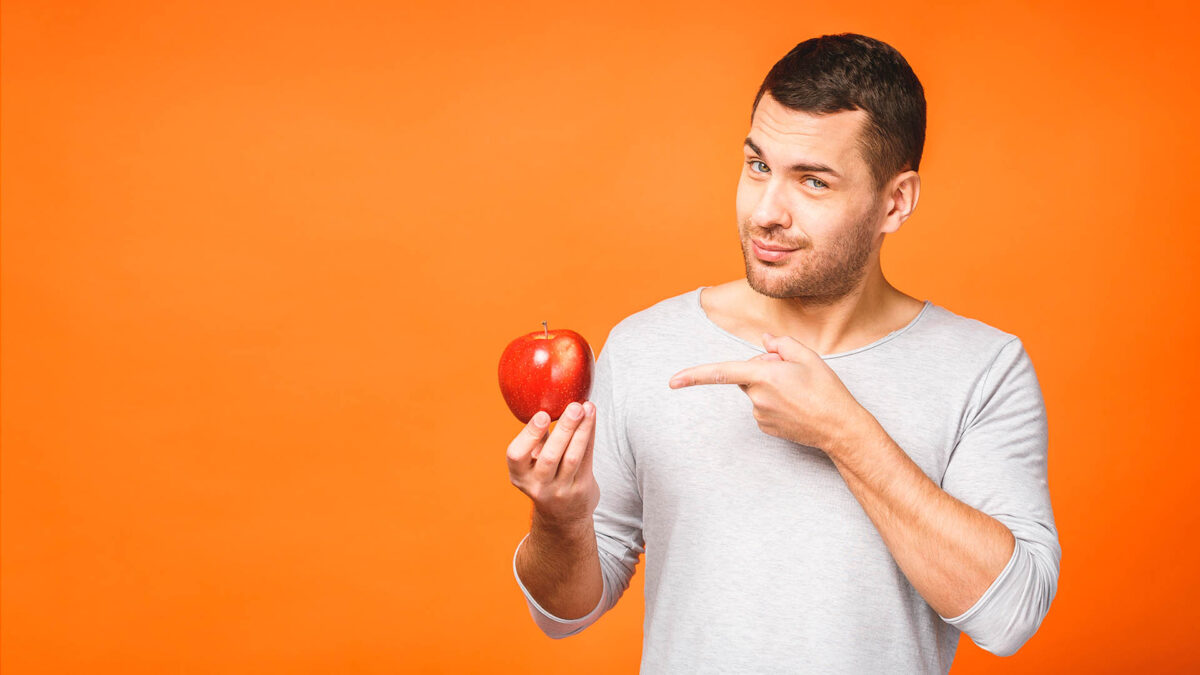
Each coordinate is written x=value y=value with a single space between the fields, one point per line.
x=796 y=395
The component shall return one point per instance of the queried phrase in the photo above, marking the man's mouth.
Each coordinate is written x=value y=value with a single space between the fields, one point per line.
x=770 y=253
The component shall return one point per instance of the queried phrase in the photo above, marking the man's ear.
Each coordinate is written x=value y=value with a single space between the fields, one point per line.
x=903 y=192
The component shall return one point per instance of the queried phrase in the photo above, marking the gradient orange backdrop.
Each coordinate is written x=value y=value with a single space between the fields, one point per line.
x=260 y=261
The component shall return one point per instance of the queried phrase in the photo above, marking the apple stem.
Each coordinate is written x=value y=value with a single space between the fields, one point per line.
x=545 y=330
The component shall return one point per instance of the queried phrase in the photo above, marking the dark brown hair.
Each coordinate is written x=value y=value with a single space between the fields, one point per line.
x=849 y=71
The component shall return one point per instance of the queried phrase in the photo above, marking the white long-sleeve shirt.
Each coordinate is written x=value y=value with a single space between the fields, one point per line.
x=759 y=558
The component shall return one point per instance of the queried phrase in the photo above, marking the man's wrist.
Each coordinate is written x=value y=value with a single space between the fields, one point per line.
x=857 y=433
x=569 y=530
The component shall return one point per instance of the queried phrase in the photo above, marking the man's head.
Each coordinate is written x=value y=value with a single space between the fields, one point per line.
x=836 y=135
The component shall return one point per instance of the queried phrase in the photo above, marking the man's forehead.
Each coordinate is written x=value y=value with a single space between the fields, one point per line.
x=772 y=115
x=830 y=138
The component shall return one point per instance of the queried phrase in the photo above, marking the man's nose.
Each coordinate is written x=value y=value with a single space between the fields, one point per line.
x=771 y=210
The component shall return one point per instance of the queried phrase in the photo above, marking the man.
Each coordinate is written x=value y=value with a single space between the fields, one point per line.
x=876 y=482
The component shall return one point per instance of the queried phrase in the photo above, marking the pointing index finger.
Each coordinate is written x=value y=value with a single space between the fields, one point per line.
x=725 y=372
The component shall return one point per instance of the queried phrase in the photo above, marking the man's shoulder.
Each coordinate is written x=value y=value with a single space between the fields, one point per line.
x=654 y=321
x=957 y=333
x=668 y=311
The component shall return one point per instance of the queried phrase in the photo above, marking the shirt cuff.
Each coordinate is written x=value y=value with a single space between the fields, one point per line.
x=550 y=624
x=960 y=620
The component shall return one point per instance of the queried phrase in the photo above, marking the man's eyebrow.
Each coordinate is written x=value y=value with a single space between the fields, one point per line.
x=798 y=168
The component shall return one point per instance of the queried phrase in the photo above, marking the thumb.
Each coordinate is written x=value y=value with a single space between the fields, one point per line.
x=787 y=347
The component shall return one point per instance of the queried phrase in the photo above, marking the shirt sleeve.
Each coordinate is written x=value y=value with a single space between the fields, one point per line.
x=618 y=516
x=998 y=466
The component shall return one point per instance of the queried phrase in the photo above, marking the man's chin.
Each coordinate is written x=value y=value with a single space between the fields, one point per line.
x=770 y=284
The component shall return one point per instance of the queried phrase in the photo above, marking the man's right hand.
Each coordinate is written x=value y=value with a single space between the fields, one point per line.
x=556 y=472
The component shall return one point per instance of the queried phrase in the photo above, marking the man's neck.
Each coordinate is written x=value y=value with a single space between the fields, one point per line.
x=859 y=318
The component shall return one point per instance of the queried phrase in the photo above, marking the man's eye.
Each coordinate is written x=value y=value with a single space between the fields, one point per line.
x=753 y=162
x=818 y=180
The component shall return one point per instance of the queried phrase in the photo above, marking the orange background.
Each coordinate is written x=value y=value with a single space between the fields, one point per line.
x=259 y=264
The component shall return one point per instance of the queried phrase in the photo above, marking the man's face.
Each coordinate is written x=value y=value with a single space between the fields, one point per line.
x=832 y=219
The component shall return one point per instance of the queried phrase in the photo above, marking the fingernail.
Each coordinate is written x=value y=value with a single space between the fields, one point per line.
x=573 y=411
x=539 y=419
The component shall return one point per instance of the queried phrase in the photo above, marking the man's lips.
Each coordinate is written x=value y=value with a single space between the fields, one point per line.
x=773 y=247
x=771 y=255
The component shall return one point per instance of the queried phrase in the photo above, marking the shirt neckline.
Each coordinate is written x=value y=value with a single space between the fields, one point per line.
x=758 y=348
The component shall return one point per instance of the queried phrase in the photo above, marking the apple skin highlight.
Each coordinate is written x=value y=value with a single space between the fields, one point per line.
x=546 y=370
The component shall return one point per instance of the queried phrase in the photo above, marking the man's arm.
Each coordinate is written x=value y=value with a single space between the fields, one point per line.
x=950 y=552
x=982 y=547
x=560 y=567
x=557 y=565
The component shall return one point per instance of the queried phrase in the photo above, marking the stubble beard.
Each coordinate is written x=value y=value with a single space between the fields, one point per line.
x=815 y=277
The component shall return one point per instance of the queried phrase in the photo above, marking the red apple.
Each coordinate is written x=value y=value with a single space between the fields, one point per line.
x=546 y=370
